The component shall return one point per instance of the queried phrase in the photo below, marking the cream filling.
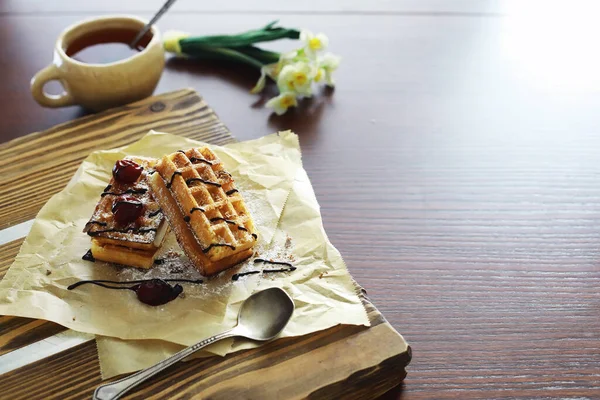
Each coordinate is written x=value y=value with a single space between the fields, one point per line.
x=161 y=231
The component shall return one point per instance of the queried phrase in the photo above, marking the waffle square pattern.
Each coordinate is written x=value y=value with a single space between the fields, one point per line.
x=204 y=208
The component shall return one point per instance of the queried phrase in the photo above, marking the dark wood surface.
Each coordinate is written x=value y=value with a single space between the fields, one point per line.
x=456 y=166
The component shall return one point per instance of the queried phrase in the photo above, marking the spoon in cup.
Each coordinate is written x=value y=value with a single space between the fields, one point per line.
x=262 y=316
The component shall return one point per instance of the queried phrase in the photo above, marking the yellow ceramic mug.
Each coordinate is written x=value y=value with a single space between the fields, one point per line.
x=101 y=86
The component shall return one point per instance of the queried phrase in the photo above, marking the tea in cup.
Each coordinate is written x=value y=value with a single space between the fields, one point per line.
x=98 y=69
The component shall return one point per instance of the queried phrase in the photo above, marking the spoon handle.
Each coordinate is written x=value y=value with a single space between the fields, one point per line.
x=116 y=389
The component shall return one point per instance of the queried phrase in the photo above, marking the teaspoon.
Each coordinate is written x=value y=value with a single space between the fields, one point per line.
x=262 y=316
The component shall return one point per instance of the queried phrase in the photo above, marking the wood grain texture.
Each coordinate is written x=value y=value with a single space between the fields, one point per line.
x=253 y=374
x=472 y=130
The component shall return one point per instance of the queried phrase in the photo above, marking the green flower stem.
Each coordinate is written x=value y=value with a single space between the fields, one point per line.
x=266 y=34
x=264 y=56
x=213 y=53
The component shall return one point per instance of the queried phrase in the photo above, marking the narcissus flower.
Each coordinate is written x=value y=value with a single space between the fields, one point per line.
x=281 y=103
x=313 y=44
x=296 y=78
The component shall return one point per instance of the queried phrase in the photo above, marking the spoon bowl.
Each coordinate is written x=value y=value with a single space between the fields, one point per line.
x=264 y=314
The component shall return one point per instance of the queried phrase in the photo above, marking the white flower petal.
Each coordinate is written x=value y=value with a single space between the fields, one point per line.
x=260 y=85
x=323 y=39
x=306 y=35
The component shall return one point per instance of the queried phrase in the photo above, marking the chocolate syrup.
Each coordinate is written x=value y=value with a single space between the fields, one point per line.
x=231 y=222
x=235 y=277
x=192 y=180
x=215 y=219
x=153 y=292
x=187 y=218
x=88 y=256
x=230 y=192
x=97 y=223
x=290 y=269
x=262 y=260
x=255 y=236
x=132 y=229
x=154 y=213
x=128 y=191
x=173 y=177
x=196 y=209
x=206 y=250
x=196 y=159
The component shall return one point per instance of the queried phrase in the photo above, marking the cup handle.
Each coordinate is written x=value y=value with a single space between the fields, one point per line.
x=47 y=74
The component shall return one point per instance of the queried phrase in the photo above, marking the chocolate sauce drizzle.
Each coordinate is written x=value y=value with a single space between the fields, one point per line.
x=180 y=151
x=88 y=256
x=128 y=191
x=231 y=222
x=206 y=250
x=196 y=209
x=255 y=236
x=230 y=192
x=153 y=292
x=173 y=177
x=290 y=268
x=196 y=159
x=262 y=260
x=187 y=218
x=132 y=229
x=192 y=180
x=97 y=223
x=235 y=277
x=104 y=283
x=154 y=213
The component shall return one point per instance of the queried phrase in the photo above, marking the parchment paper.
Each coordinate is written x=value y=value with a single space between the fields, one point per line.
x=35 y=286
x=267 y=171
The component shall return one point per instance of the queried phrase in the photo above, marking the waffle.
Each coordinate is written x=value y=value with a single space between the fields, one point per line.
x=136 y=243
x=204 y=209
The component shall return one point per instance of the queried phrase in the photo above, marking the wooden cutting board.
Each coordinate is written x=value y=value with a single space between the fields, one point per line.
x=348 y=362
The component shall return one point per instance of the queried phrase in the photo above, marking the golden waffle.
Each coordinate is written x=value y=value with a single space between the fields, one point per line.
x=205 y=210
x=136 y=243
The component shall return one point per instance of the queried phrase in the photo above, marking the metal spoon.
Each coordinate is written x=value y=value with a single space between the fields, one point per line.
x=147 y=27
x=262 y=317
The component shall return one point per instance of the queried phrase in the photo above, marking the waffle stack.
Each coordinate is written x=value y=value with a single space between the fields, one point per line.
x=136 y=243
x=204 y=209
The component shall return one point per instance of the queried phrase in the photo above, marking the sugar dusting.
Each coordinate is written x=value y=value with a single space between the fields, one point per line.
x=172 y=263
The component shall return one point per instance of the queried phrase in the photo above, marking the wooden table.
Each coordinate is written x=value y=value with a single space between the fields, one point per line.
x=455 y=163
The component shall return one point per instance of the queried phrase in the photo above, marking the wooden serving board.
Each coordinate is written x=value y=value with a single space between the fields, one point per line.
x=349 y=362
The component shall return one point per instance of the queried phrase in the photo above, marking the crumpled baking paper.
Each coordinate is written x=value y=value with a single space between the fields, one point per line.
x=267 y=171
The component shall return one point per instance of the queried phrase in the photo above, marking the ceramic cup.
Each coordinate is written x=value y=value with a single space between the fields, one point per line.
x=101 y=86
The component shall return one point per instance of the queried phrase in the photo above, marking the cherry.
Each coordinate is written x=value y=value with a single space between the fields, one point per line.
x=126 y=171
x=127 y=209
x=157 y=292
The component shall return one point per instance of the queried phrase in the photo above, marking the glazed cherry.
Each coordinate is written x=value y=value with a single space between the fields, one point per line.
x=126 y=171
x=127 y=209
x=157 y=292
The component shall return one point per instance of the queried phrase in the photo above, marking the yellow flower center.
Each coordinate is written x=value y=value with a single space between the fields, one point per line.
x=287 y=102
x=315 y=43
x=300 y=78
x=319 y=75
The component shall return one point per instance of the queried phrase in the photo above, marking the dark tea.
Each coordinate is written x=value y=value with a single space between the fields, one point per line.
x=103 y=47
